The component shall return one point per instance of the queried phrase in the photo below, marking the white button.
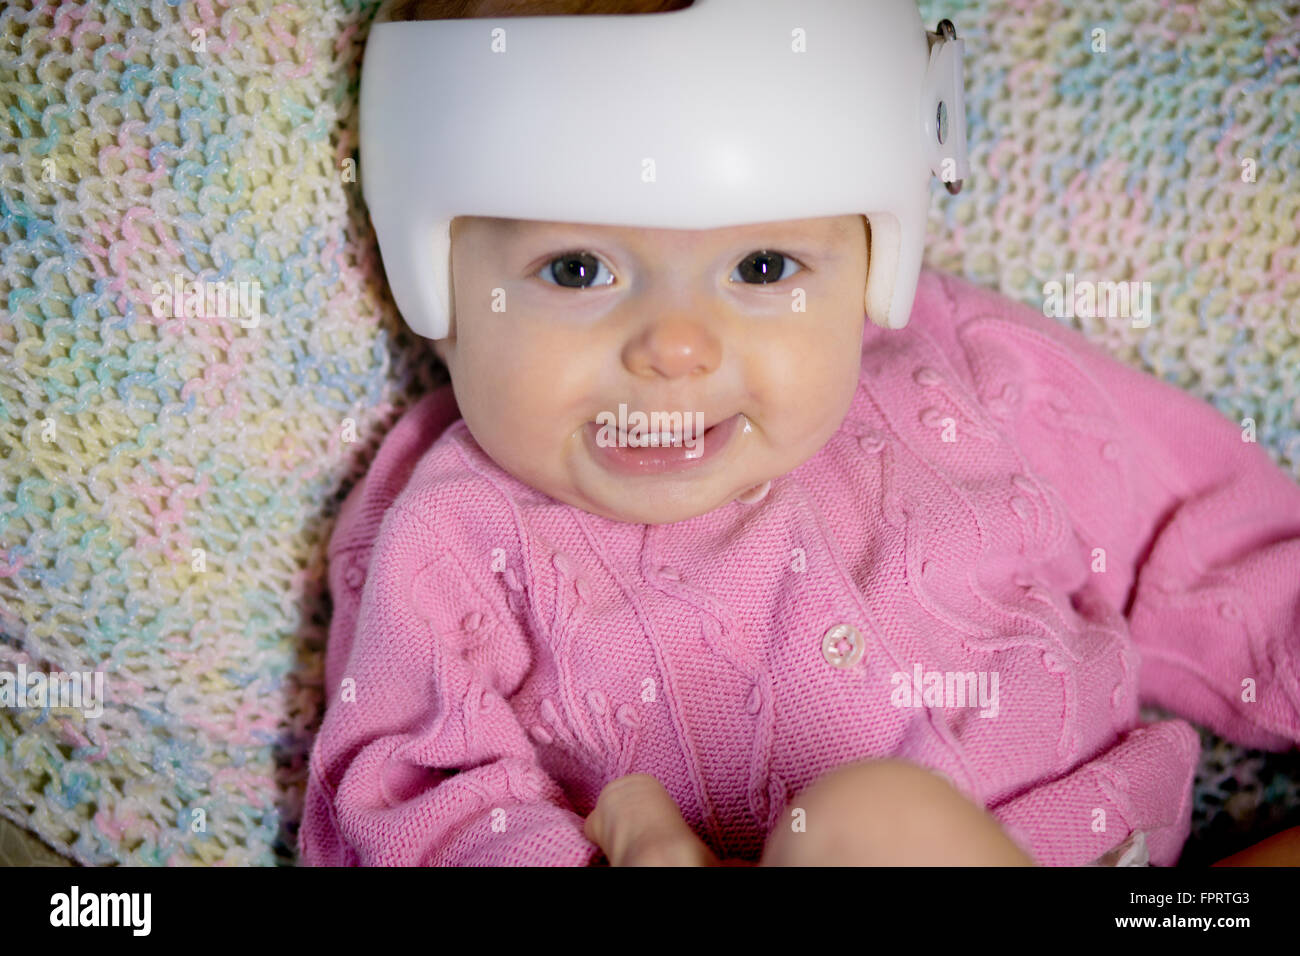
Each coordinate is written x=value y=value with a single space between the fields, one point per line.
x=843 y=645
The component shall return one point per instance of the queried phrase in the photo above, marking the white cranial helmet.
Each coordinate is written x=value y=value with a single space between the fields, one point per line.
x=726 y=113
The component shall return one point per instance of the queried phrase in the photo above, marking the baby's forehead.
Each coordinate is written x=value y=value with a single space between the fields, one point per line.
x=509 y=229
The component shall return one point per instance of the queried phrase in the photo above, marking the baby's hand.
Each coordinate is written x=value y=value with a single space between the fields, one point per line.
x=636 y=823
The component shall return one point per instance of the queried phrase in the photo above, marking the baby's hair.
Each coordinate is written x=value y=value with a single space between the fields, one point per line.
x=473 y=9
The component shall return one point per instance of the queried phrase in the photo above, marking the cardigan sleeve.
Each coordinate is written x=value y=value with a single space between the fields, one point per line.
x=1198 y=528
x=420 y=759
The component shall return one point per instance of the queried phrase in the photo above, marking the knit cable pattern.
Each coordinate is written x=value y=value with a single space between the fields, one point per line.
x=169 y=483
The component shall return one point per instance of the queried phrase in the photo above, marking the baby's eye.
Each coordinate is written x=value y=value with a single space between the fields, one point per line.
x=574 y=270
x=765 y=266
x=582 y=270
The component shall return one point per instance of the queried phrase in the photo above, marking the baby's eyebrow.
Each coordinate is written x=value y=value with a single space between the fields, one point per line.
x=839 y=228
x=508 y=230
x=842 y=227
x=505 y=228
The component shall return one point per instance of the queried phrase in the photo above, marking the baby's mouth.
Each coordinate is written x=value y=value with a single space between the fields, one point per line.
x=639 y=453
x=662 y=439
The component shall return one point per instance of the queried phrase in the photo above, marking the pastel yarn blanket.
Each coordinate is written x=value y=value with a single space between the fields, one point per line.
x=169 y=483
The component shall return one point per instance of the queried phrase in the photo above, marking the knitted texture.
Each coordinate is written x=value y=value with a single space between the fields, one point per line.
x=180 y=433
x=497 y=656
x=229 y=162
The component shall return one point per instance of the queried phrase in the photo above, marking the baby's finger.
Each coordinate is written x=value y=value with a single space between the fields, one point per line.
x=630 y=810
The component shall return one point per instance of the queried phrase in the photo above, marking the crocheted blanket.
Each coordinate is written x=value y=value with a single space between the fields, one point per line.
x=170 y=481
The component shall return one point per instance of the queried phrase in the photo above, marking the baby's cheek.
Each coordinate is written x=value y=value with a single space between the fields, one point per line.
x=824 y=377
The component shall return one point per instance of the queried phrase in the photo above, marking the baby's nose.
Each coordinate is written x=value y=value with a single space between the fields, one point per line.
x=673 y=348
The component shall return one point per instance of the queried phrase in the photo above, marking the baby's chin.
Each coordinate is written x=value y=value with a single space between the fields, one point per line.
x=657 y=499
x=663 y=498
x=645 y=503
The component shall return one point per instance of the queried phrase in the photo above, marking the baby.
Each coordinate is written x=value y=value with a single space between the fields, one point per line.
x=672 y=573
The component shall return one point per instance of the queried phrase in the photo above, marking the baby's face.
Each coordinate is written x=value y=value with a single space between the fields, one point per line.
x=755 y=332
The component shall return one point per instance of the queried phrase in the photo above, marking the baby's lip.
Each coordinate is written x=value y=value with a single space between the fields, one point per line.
x=689 y=423
x=642 y=458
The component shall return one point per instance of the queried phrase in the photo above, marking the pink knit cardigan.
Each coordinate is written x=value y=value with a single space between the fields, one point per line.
x=1005 y=509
